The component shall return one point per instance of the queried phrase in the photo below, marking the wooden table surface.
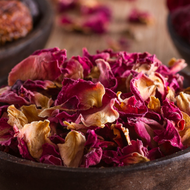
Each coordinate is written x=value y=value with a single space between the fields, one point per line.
x=152 y=38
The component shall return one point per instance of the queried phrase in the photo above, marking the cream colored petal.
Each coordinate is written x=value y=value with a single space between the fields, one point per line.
x=147 y=69
x=72 y=150
x=185 y=134
x=170 y=95
x=35 y=135
x=183 y=102
x=16 y=117
x=107 y=115
x=146 y=87
x=94 y=73
x=176 y=65
x=157 y=79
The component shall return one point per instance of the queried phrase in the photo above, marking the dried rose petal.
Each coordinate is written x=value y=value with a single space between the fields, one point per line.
x=138 y=16
x=16 y=117
x=105 y=114
x=143 y=87
x=35 y=134
x=90 y=94
x=168 y=139
x=183 y=102
x=72 y=150
x=122 y=137
x=134 y=153
x=45 y=66
x=103 y=110
x=176 y=65
x=6 y=133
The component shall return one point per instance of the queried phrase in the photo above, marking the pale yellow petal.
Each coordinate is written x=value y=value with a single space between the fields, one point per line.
x=72 y=150
x=183 y=102
x=106 y=115
x=16 y=117
x=35 y=135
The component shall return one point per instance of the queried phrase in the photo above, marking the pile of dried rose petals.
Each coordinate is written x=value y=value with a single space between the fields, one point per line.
x=180 y=16
x=91 y=17
x=102 y=110
x=138 y=16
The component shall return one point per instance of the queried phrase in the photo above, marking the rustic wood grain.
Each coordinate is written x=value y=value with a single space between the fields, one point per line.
x=154 y=38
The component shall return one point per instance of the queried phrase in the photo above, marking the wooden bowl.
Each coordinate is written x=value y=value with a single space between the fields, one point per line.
x=168 y=173
x=181 y=45
x=172 y=172
x=13 y=52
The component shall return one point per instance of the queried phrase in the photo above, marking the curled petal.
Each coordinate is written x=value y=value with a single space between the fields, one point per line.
x=168 y=137
x=159 y=82
x=173 y=113
x=121 y=133
x=185 y=134
x=176 y=65
x=145 y=68
x=170 y=94
x=145 y=129
x=106 y=77
x=89 y=95
x=16 y=117
x=72 y=150
x=11 y=97
x=135 y=147
x=105 y=115
x=45 y=66
x=131 y=106
x=31 y=113
x=183 y=102
x=93 y=157
x=134 y=158
x=6 y=132
x=39 y=84
x=142 y=87
x=74 y=126
x=35 y=135
x=186 y=138
x=73 y=69
x=103 y=55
